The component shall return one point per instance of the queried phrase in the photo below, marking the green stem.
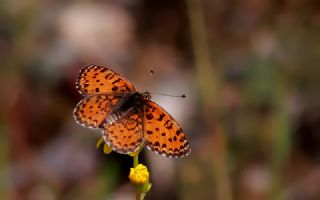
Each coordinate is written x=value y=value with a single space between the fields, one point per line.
x=141 y=190
x=209 y=84
x=139 y=195
x=136 y=160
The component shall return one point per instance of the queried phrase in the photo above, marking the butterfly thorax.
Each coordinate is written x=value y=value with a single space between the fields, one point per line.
x=134 y=100
x=131 y=102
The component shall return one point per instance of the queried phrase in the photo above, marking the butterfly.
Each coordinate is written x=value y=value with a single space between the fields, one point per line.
x=128 y=118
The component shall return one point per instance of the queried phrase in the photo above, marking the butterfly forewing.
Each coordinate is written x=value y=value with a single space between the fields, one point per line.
x=95 y=79
x=126 y=134
x=162 y=133
x=91 y=111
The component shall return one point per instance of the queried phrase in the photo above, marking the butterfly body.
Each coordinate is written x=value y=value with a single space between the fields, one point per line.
x=132 y=102
x=128 y=119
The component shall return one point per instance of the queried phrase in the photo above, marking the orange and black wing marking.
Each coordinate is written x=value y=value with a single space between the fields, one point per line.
x=126 y=134
x=162 y=133
x=92 y=111
x=95 y=79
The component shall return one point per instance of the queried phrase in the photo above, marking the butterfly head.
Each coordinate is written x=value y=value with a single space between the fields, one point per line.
x=147 y=95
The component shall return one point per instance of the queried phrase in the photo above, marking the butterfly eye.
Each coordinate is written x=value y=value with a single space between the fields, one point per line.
x=147 y=95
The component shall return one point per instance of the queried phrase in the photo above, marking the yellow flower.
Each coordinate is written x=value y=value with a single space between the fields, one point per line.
x=139 y=175
x=106 y=148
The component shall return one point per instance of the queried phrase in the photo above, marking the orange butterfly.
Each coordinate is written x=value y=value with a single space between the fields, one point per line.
x=128 y=118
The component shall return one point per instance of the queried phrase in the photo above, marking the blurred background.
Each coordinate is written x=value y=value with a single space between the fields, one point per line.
x=250 y=71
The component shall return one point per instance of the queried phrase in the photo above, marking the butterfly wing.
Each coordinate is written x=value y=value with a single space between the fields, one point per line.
x=126 y=134
x=95 y=79
x=92 y=111
x=162 y=133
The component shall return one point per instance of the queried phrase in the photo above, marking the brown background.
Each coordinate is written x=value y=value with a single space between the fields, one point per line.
x=250 y=70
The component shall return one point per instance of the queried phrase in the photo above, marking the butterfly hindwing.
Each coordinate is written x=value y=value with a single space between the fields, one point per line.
x=126 y=134
x=91 y=111
x=95 y=79
x=162 y=133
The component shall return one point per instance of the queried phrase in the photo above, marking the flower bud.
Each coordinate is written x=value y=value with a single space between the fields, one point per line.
x=139 y=175
x=106 y=148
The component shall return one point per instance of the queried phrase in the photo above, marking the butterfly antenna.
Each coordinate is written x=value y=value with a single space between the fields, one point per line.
x=170 y=95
